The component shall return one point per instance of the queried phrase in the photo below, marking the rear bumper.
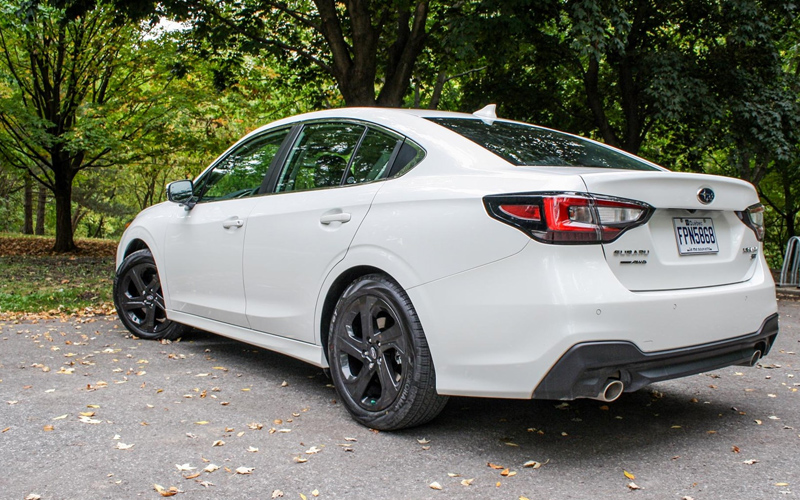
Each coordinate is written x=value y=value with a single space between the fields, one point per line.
x=584 y=369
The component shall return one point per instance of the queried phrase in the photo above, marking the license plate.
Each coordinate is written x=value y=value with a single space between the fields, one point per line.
x=695 y=236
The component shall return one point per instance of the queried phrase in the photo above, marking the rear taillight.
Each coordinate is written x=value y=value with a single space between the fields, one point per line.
x=753 y=217
x=568 y=218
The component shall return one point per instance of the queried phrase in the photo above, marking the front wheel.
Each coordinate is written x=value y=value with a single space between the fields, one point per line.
x=139 y=300
x=379 y=358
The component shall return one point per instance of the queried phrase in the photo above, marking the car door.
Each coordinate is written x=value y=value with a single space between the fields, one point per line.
x=298 y=234
x=203 y=247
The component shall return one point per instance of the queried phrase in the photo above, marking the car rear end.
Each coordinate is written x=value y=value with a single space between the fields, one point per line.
x=643 y=275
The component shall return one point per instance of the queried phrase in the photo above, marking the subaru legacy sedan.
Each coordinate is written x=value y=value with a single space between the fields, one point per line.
x=420 y=254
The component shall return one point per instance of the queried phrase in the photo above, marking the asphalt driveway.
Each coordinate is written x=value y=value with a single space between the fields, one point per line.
x=88 y=412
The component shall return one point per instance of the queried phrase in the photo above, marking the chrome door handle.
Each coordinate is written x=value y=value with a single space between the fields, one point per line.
x=232 y=223
x=340 y=217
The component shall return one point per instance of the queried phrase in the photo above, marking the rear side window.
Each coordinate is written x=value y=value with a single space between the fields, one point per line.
x=320 y=156
x=526 y=145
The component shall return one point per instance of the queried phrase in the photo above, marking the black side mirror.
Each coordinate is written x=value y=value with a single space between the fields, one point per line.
x=181 y=192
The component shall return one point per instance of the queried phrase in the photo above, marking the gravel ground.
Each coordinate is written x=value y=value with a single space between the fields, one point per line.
x=88 y=412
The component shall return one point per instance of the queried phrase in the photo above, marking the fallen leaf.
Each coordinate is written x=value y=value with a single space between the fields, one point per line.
x=123 y=446
x=300 y=460
x=255 y=426
x=351 y=439
x=303 y=497
x=218 y=442
x=495 y=466
x=61 y=417
x=508 y=473
x=88 y=420
x=205 y=484
x=211 y=468
x=192 y=476
x=48 y=428
x=534 y=464
x=435 y=486
x=781 y=484
x=284 y=384
x=313 y=450
x=185 y=467
x=633 y=486
x=757 y=421
x=277 y=494
x=202 y=422
x=629 y=475
x=252 y=449
x=467 y=482
x=245 y=470
x=423 y=441
x=33 y=496
x=6 y=429
x=315 y=493
x=172 y=491
x=735 y=449
x=750 y=462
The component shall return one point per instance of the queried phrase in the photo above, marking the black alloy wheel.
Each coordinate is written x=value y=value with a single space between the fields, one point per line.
x=379 y=357
x=139 y=300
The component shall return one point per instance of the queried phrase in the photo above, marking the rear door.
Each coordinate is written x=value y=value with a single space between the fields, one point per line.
x=297 y=234
x=693 y=239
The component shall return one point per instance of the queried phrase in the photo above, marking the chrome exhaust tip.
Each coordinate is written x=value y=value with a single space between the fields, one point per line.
x=611 y=391
x=755 y=358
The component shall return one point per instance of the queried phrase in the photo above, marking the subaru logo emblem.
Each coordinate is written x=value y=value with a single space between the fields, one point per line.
x=705 y=195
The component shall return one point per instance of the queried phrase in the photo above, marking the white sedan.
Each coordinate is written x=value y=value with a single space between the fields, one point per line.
x=420 y=254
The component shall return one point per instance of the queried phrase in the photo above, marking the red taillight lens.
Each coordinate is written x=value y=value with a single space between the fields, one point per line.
x=753 y=217
x=568 y=217
x=525 y=212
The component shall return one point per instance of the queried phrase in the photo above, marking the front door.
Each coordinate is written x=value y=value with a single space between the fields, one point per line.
x=204 y=245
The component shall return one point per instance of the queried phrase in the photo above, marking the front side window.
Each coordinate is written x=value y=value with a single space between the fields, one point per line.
x=320 y=156
x=522 y=144
x=240 y=174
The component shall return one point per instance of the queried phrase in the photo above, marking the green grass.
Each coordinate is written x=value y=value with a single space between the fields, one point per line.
x=42 y=283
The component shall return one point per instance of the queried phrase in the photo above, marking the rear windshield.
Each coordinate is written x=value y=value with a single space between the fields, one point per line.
x=521 y=144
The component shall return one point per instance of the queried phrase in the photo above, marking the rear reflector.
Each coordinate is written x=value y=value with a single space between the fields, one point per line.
x=568 y=218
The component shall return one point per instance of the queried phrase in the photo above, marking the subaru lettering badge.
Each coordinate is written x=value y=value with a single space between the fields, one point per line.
x=705 y=195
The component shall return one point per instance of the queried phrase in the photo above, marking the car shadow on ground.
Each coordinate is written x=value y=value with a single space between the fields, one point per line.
x=667 y=415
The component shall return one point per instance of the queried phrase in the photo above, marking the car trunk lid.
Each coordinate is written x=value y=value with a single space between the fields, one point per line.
x=686 y=243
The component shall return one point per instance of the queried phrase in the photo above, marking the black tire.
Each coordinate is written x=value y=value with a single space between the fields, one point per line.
x=139 y=301
x=379 y=358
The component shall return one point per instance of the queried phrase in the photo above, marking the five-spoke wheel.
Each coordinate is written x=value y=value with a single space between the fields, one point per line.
x=380 y=362
x=139 y=301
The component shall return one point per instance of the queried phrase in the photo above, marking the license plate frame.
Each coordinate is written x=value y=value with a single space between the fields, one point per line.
x=695 y=235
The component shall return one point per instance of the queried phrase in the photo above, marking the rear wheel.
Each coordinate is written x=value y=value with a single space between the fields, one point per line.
x=139 y=300
x=379 y=357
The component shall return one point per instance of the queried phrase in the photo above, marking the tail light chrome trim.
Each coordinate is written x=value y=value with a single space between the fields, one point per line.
x=568 y=218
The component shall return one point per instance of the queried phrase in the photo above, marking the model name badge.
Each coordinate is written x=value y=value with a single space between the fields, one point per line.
x=631 y=253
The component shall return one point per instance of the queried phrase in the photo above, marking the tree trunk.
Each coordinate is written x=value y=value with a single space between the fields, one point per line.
x=41 y=205
x=63 y=196
x=28 y=205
